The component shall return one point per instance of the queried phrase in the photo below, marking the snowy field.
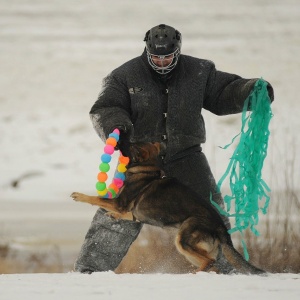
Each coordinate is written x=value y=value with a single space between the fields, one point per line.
x=155 y=286
x=53 y=57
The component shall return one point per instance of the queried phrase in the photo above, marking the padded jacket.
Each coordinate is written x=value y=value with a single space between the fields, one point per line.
x=169 y=109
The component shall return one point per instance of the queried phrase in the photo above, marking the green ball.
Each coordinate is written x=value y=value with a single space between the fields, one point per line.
x=113 y=193
x=104 y=167
x=100 y=186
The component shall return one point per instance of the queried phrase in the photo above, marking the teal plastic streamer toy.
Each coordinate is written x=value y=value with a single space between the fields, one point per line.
x=249 y=192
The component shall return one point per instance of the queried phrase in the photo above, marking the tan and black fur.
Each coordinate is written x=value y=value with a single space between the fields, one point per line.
x=151 y=198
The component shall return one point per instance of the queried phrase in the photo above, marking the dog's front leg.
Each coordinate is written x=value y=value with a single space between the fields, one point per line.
x=119 y=216
x=109 y=205
x=85 y=198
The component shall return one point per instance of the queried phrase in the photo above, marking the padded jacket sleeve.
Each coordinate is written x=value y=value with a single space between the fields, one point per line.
x=112 y=109
x=226 y=93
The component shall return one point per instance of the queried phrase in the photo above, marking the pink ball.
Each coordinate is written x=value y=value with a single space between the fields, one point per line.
x=118 y=182
x=117 y=131
x=109 y=149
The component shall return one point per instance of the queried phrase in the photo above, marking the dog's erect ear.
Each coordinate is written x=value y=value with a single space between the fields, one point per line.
x=157 y=146
x=138 y=153
x=143 y=154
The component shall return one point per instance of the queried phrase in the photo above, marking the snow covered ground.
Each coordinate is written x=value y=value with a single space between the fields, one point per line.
x=53 y=56
x=152 y=286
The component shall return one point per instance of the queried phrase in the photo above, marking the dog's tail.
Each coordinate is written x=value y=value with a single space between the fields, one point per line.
x=235 y=259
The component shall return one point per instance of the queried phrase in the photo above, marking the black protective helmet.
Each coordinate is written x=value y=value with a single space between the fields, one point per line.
x=162 y=41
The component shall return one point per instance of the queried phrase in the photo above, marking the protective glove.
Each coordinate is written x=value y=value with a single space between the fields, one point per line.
x=124 y=141
x=270 y=91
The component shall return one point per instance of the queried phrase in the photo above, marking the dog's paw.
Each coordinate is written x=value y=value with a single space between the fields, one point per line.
x=114 y=215
x=76 y=196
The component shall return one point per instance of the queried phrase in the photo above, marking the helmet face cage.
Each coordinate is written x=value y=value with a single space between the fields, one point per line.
x=163 y=69
x=163 y=41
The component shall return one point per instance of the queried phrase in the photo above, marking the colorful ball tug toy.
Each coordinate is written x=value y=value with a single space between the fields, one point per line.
x=119 y=177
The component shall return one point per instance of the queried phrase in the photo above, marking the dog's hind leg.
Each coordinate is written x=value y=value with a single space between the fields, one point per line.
x=197 y=245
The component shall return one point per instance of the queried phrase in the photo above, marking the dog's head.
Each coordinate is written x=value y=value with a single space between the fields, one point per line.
x=144 y=153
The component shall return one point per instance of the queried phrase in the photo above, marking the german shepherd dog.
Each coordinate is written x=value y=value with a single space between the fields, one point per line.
x=149 y=197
